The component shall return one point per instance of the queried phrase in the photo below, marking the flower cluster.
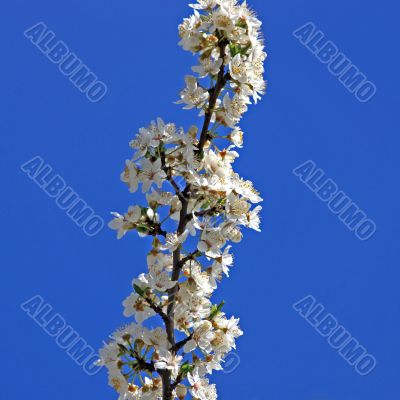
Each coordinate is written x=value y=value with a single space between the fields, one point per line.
x=190 y=185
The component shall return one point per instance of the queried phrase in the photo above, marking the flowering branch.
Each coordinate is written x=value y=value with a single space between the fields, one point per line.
x=209 y=212
x=214 y=94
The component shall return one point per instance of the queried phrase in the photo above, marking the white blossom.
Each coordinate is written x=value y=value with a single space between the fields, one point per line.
x=152 y=173
x=136 y=306
x=193 y=95
x=167 y=360
x=197 y=207
x=208 y=67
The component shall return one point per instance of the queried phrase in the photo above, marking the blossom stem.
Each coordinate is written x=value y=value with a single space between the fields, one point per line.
x=214 y=94
x=184 y=218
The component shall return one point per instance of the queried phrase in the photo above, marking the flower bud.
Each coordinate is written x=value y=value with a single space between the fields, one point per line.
x=139 y=345
x=181 y=392
x=193 y=131
x=133 y=389
x=127 y=337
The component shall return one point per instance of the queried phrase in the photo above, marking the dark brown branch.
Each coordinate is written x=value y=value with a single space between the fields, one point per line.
x=157 y=309
x=180 y=344
x=214 y=92
x=157 y=230
x=140 y=364
x=184 y=218
x=166 y=383
x=179 y=379
x=176 y=255
x=211 y=211
x=143 y=365
x=191 y=256
x=174 y=185
x=170 y=179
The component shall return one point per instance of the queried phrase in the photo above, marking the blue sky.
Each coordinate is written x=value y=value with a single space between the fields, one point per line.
x=304 y=249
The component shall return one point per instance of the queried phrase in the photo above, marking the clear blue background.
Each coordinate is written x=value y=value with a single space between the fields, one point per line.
x=303 y=249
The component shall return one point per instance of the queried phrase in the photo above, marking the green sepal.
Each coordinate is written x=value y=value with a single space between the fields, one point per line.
x=215 y=310
x=186 y=368
x=139 y=290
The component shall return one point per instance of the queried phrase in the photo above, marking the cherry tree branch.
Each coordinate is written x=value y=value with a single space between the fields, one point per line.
x=180 y=344
x=184 y=218
x=214 y=92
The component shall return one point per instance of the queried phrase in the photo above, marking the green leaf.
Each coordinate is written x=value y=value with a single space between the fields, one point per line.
x=235 y=49
x=205 y=205
x=138 y=290
x=242 y=23
x=142 y=229
x=215 y=310
x=187 y=368
x=198 y=253
x=122 y=350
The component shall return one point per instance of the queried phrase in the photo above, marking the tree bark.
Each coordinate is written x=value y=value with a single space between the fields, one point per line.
x=184 y=218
